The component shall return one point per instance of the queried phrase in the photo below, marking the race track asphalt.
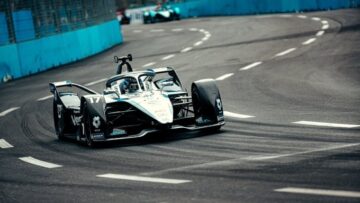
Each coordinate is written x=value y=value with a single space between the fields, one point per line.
x=290 y=84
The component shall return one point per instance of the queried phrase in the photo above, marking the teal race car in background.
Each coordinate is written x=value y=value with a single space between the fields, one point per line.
x=161 y=14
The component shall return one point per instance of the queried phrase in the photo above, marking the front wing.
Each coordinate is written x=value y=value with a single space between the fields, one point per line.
x=144 y=132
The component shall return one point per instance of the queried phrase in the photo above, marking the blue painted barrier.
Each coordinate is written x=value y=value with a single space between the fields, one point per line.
x=36 y=55
x=194 y=8
x=4 y=34
x=23 y=25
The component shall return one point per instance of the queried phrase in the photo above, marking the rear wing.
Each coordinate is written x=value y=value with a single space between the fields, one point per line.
x=54 y=85
x=162 y=69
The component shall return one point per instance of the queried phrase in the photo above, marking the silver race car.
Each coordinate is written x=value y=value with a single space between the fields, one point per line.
x=161 y=14
x=133 y=104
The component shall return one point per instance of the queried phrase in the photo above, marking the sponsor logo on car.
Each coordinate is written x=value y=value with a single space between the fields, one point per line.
x=218 y=104
x=96 y=122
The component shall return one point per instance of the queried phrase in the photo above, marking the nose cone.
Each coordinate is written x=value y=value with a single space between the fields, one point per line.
x=156 y=106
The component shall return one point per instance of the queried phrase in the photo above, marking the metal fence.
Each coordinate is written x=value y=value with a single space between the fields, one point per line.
x=22 y=20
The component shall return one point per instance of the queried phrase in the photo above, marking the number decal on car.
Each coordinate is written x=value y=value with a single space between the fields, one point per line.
x=97 y=100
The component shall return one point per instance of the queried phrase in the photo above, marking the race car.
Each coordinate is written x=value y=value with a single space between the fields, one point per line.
x=123 y=17
x=161 y=14
x=134 y=104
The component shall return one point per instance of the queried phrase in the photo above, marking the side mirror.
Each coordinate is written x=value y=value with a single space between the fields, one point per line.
x=116 y=59
x=130 y=57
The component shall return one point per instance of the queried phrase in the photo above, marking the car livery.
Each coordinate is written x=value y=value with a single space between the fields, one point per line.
x=161 y=14
x=134 y=104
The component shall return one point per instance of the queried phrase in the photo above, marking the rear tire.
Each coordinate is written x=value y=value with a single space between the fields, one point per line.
x=177 y=17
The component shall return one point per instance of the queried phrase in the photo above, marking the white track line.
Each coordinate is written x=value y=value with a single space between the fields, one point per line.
x=285 y=52
x=198 y=43
x=236 y=115
x=157 y=30
x=325 y=27
x=238 y=160
x=143 y=179
x=309 y=41
x=302 y=16
x=137 y=31
x=309 y=191
x=251 y=66
x=324 y=22
x=320 y=33
x=45 y=98
x=8 y=111
x=95 y=82
x=315 y=19
x=177 y=29
x=333 y=125
x=4 y=144
x=38 y=162
x=168 y=57
x=286 y=16
x=149 y=64
x=223 y=77
x=193 y=29
x=186 y=49
x=204 y=38
x=269 y=157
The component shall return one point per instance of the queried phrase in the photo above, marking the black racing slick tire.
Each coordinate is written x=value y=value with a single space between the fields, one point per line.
x=59 y=121
x=207 y=103
x=86 y=125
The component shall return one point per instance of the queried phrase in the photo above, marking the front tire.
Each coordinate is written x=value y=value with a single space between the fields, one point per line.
x=58 y=121
x=88 y=139
x=207 y=103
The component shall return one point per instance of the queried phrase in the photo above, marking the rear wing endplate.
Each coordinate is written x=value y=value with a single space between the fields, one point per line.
x=54 y=85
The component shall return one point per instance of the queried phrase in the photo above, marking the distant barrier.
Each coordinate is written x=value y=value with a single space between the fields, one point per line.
x=193 y=8
x=32 y=56
x=198 y=8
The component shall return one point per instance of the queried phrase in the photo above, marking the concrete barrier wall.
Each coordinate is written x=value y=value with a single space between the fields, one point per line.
x=32 y=56
x=4 y=34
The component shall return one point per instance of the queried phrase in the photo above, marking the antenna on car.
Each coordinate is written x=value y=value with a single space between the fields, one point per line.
x=124 y=61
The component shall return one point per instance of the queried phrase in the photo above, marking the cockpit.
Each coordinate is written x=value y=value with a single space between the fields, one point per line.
x=147 y=81
x=128 y=85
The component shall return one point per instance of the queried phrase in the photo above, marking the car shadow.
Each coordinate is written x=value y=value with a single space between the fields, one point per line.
x=158 y=137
